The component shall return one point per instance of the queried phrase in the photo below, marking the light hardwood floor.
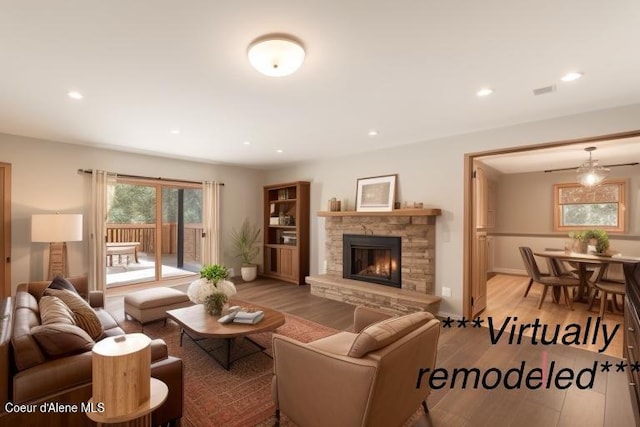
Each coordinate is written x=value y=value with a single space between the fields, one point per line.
x=505 y=297
x=606 y=403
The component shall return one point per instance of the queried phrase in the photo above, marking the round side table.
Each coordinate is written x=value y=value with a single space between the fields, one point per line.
x=141 y=416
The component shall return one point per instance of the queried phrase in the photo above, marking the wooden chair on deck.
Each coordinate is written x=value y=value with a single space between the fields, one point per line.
x=563 y=282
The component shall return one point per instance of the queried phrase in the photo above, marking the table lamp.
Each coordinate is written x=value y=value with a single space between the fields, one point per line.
x=57 y=230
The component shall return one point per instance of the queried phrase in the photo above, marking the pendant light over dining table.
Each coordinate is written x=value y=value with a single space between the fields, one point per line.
x=590 y=173
x=276 y=55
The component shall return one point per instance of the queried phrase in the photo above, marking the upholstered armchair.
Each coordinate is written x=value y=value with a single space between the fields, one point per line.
x=366 y=377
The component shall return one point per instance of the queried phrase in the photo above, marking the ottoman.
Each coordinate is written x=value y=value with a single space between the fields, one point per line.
x=149 y=305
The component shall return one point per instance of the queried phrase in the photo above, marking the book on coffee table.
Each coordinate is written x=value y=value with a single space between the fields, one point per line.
x=248 y=317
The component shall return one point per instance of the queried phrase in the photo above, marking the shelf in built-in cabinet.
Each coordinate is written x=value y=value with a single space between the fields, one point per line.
x=282 y=201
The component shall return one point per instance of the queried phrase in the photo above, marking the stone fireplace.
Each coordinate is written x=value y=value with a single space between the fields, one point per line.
x=415 y=231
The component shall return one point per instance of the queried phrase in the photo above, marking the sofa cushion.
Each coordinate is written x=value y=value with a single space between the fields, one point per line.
x=83 y=314
x=26 y=300
x=383 y=333
x=108 y=322
x=57 y=339
x=26 y=352
x=53 y=310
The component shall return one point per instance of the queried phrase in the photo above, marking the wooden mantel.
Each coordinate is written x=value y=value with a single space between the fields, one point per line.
x=395 y=212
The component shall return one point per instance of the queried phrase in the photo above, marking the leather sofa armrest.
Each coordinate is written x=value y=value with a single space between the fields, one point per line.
x=169 y=371
x=52 y=377
x=365 y=316
x=96 y=299
x=158 y=350
x=341 y=383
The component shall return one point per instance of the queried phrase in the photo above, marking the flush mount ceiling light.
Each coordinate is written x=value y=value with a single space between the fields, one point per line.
x=484 y=92
x=590 y=173
x=276 y=55
x=74 y=94
x=569 y=77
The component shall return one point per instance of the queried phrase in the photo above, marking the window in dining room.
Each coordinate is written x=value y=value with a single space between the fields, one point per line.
x=577 y=207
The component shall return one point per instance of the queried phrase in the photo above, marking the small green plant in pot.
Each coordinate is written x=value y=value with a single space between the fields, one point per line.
x=245 y=246
x=601 y=239
x=580 y=242
x=214 y=272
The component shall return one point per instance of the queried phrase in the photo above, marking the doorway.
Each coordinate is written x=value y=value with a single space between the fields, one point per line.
x=474 y=289
x=5 y=229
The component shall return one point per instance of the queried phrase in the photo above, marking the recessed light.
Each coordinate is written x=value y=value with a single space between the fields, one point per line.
x=484 y=92
x=175 y=131
x=279 y=151
x=74 y=94
x=569 y=77
x=247 y=143
x=372 y=132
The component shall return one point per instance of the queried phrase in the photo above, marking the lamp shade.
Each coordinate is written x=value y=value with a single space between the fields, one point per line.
x=276 y=55
x=56 y=228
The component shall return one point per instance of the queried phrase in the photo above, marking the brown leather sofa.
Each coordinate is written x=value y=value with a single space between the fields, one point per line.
x=363 y=378
x=28 y=377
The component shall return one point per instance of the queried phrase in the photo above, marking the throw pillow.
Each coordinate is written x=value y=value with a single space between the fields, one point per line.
x=383 y=333
x=60 y=282
x=53 y=310
x=57 y=339
x=84 y=315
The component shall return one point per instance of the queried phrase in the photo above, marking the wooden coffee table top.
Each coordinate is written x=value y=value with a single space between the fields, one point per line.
x=197 y=321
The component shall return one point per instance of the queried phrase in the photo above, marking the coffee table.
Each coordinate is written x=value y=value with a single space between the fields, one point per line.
x=199 y=325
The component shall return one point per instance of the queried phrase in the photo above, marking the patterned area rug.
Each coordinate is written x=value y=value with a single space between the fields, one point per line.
x=240 y=397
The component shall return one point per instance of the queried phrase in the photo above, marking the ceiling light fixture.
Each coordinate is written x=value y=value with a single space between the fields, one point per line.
x=372 y=132
x=175 y=131
x=246 y=143
x=276 y=55
x=484 y=92
x=590 y=173
x=569 y=77
x=279 y=151
x=74 y=94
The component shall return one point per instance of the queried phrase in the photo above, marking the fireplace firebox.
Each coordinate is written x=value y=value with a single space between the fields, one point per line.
x=372 y=259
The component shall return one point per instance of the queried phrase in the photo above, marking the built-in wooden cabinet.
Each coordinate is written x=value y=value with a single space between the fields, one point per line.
x=632 y=332
x=286 y=236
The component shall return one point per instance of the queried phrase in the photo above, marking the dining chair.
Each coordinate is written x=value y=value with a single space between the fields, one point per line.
x=554 y=268
x=563 y=282
x=611 y=283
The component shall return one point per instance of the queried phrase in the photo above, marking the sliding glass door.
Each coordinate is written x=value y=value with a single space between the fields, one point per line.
x=153 y=231
x=181 y=231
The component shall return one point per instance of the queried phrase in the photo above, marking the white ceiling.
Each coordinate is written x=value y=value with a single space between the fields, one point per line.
x=409 y=69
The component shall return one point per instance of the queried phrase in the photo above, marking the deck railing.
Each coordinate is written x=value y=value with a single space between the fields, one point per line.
x=146 y=235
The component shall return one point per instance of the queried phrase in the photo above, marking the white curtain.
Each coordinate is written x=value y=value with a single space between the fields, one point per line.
x=98 y=231
x=211 y=241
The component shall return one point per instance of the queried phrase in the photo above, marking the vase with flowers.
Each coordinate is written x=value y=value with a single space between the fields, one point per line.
x=212 y=288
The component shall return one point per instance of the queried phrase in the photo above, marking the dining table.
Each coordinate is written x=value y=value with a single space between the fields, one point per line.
x=586 y=264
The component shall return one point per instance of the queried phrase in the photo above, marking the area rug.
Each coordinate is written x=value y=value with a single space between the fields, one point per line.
x=239 y=397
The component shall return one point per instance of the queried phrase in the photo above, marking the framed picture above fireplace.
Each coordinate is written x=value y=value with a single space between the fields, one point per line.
x=376 y=194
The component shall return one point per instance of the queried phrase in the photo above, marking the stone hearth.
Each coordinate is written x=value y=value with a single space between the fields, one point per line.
x=416 y=227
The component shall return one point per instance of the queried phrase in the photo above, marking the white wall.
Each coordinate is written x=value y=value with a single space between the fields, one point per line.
x=45 y=180
x=432 y=172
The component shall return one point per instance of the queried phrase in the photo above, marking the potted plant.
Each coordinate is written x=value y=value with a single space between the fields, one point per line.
x=601 y=240
x=212 y=288
x=580 y=242
x=245 y=247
